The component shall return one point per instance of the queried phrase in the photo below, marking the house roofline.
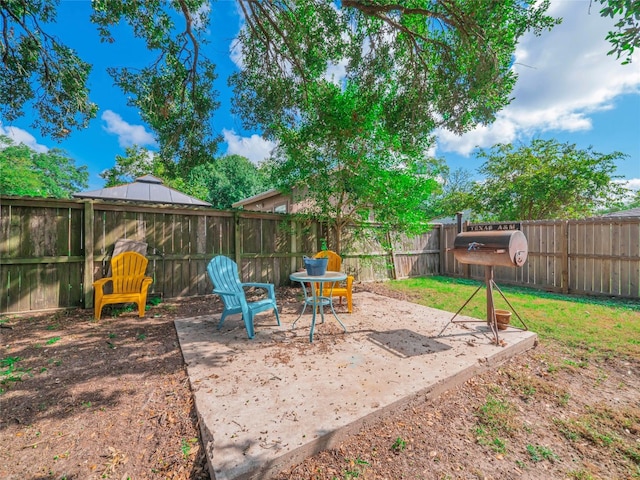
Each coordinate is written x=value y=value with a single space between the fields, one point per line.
x=261 y=196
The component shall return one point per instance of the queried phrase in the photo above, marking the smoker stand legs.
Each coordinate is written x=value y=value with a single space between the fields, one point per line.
x=491 y=314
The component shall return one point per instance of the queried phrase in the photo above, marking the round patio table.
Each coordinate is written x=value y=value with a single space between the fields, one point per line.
x=316 y=300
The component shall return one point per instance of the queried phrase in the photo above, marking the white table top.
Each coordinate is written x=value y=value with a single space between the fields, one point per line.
x=327 y=277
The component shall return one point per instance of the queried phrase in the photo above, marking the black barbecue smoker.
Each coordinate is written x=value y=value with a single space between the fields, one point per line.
x=507 y=248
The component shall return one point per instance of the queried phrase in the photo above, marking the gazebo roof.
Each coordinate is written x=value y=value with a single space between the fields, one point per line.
x=147 y=189
x=633 y=212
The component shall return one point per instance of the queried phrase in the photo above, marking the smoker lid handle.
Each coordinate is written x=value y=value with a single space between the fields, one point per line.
x=474 y=246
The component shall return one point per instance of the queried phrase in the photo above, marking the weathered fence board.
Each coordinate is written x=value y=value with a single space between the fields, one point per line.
x=633 y=250
x=412 y=256
x=450 y=266
x=590 y=241
x=41 y=255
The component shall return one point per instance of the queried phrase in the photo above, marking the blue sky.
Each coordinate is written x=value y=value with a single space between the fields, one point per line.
x=568 y=89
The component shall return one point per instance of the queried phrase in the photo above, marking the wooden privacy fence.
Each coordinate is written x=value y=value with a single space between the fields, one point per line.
x=51 y=251
x=598 y=256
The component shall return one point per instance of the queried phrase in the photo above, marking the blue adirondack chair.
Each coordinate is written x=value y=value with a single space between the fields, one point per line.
x=223 y=273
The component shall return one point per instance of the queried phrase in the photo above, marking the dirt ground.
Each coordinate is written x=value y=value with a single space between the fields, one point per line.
x=81 y=399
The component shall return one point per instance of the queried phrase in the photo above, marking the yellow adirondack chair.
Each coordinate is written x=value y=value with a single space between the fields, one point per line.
x=339 y=289
x=129 y=283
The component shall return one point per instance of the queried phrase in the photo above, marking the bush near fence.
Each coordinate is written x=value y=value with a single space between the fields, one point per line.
x=51 y=251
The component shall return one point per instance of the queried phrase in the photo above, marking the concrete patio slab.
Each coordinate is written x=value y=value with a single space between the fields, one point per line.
x=268 y=403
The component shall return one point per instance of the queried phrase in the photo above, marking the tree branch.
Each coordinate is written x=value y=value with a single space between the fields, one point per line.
x=196 y=49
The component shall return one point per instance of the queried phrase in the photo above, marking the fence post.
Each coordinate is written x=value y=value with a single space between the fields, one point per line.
x=316 y=236
x=466 y=268
x=87 y=287
x=442 y=267
x=564 y=255
x=294 y=232
x=237 y=241
x=394 y=269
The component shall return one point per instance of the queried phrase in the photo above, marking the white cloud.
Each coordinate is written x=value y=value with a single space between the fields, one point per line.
x=565 y=75
x=255 y=148
x=22 y=136
x=235 y=48
x=632 y=183
x=431 y=151
x=501 y=131
x=128 y=135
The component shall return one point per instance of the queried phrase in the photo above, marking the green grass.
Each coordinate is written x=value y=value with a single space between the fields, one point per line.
x=10 y=372
x=588 y=329
x=591 y=323
x=495 y=418
x=398 y=445
x=185 y=446
x=605 y=428
x=538 y=453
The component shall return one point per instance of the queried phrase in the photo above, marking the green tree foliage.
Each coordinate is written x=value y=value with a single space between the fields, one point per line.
x=635 y=201
x=431 y=64
x=454 y=195
x=545 y=180
x=342 y=162
x=447 y=62
x=137 y=162
x=174 y=93
x=632 y=200
x=626 y=38
x=26 y=172
x=36 y=68
x=226 y=180
x=357 y=143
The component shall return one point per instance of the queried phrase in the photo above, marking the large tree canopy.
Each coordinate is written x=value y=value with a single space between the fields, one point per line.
x=342 y=162
x=432 y=64
x=174 y=94
x=38 y=69
x=24 y=171
x=356 y=142
x=545 y=180
x=226 y=180
x=446 y=62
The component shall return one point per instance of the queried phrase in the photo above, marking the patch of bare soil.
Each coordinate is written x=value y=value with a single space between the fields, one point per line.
x=86 y=400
